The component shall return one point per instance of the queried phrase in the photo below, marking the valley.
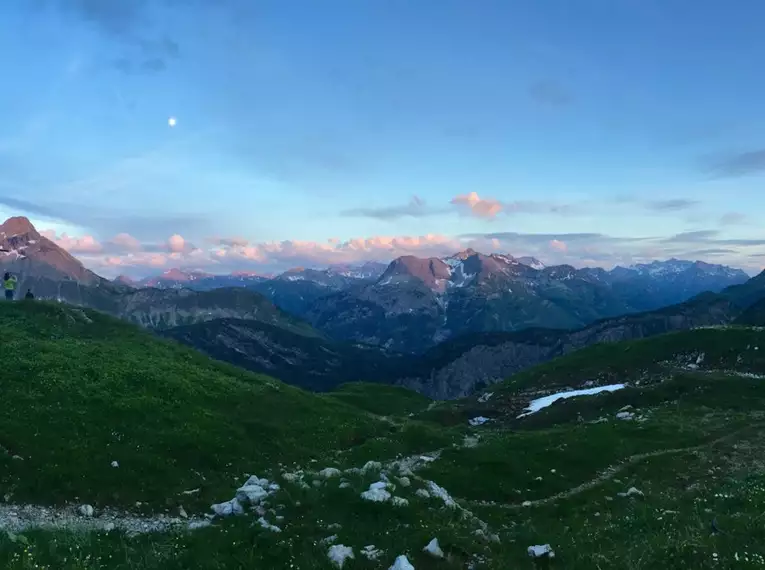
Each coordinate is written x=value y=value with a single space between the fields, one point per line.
x=232 y=469
x=443 y=327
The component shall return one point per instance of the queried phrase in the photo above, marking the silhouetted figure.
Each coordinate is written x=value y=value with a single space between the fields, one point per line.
x=9 y=284
x=29 y=295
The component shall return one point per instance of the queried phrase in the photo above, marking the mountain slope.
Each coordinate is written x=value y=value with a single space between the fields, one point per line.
x=99 y=390
x=326 y=476
x=165 y=308
x=311 y=362
x=50 y=271
x=459 y=367
x=418 y=302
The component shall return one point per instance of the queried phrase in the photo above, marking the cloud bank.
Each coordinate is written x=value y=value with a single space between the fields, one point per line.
x=125 y=254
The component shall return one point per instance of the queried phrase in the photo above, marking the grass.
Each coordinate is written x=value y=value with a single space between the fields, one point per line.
x=82 y=390
x=381 y=399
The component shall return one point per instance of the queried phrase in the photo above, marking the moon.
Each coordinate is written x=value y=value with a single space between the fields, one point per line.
x=171 y=121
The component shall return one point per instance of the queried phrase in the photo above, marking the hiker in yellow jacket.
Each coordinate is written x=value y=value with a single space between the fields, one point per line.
x=9 y=284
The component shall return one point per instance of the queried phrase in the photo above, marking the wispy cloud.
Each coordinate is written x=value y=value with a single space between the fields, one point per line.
x=732 y=218
x=739 y=164
x=144 y=225
x=416 y=208
x=672 y=205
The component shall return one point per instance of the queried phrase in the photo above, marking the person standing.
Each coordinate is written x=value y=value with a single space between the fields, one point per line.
x=9 y=284
x=29 y=296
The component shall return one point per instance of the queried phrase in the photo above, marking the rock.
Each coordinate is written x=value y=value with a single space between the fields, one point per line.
x=402 y=563
x=339 y=553
x=399 y=502
x=540 y=551
x=404 y=481
x=370 y=552
x=625 y=408
x=229 y=508
x=268 y=526
x=86 y=510
x=182 y=512
x=255 y=490
x=329 y=472
x=625 y=416
x=115 y=464
x=434 y=549
x=376 y=493
x=344 y=484
x=526 y=504
x=110 y=526
x=371 y=466
x=478 y=421
x=17 y=458
x=422 y=493
x=631 y=491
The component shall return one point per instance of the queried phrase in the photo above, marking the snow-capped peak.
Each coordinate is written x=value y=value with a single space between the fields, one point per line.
x=532 y=262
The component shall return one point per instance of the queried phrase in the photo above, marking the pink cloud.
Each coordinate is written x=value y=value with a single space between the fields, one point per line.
x=126 y=242
x=479 y=207
x=558 y=245
x=84 y=244
x=176 y=243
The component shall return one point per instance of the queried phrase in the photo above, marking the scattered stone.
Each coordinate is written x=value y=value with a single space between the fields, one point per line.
x=229 y=508
x=182 y=512
x=110 y=526
x=625 y=416
x=330 y=472
x=268 y=526
x=625 y=408
x=483 y=398
x=344 y=484
x=402 y=563
x=253 y=491
x=115 y=464
x=399 y=502
x=17 y=458
x=370 y=552
x=194 y=525
x=371 y=466
x=376 y=493
x=478 y=421
x=441 y=493
x=434 y=549
x=422 y=493
x=631 y=491
x=404 y=481
x=192 y=492
x=541 y=550
x=526 y=504
x=339 y=553
x=86 y=510
x=329 y=539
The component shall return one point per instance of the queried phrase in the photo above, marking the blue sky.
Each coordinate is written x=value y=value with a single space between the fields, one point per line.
x=588 y=132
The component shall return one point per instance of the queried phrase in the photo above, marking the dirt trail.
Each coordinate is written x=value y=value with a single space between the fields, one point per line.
x=610 y=473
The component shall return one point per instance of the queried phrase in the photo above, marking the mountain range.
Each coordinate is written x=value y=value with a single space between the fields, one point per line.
x=443 y=326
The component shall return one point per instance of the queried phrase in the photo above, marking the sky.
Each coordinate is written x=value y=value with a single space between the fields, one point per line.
x=595 y=132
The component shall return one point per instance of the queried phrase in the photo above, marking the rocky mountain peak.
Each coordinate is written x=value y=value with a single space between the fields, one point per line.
x=17 y=225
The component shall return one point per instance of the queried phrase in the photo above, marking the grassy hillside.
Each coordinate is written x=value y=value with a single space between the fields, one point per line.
x=81 y=390
x=381 y=399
